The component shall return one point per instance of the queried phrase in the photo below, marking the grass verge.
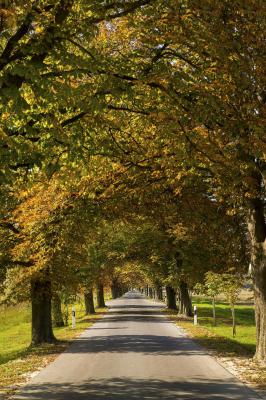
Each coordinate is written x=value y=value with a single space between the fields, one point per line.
x=18 y=361
x=237 y=353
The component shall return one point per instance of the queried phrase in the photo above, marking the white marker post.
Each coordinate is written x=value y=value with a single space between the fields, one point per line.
x=195 y=315
x=73 y=317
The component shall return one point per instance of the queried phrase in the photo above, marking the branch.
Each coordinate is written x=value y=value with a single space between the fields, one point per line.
x=133 y=7
x=45 y=45
x=74 y=119
x=157 y=56
x=10 y=226
x=182 y=58
x=82 y=48
x=21 y=263
x=111 y=107
x=22 y=31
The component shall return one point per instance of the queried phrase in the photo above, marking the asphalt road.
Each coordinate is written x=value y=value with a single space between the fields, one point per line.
x=134 y=352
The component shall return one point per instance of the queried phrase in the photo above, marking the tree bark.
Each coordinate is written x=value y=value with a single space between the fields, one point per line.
x=147 y=290
x=100 y=295
x=115 y=289
x=58 y=319
x=233 y=320
x=114 y=292
x=257 y=232
x=123 y=290
x=185 y=305
x=171 y=298
x=89 y=302
x=214 y=311
x=41 y=295
x=159 y=292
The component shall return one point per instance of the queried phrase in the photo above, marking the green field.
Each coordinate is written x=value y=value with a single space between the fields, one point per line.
x=17 y=359
x=220 y=337
x=15 y=330
x=245 y=321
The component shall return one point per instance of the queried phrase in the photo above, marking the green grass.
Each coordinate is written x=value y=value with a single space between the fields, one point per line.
x=17 y=358
x=219 y=338
x=14 y=331
x=245 y=322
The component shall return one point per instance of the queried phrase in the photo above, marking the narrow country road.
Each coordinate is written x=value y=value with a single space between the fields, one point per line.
x=134 y=352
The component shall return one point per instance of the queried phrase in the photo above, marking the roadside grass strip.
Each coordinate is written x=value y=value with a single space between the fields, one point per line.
x=18 y=360
x=236 y=353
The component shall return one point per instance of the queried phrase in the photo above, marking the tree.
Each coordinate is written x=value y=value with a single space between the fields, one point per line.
x=89 y=302
x=211 y=287
x=200 y=86
x=170 y=99
x=52 y=228
x=231 y=285
x=58 y=319
x=48 y=65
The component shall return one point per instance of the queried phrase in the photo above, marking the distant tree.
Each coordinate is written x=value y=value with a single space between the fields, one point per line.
x=211 y=287
x=231 y=285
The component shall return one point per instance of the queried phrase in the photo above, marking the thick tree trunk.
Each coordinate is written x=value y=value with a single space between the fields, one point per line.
x=185 y=305
x=115 y=289
x=58 y=319
x=171 y=298
x=257 y=231
x=123 y=290
x=150 y=292
x=89 y=302
x=100 y=296
x=41 y=296
x=159 y=292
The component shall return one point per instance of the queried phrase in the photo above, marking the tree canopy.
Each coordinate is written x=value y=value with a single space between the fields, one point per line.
x=132 y=143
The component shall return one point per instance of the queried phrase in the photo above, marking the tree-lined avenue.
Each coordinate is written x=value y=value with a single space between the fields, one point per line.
x=134 y=352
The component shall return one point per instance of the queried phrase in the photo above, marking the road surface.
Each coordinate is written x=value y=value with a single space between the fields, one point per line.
x=134 y=352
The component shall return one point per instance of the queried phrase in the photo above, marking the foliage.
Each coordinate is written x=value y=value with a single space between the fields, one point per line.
x=132 y=133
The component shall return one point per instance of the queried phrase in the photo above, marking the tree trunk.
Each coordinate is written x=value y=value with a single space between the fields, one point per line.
x=257 y=232
x=41 y=295
x=100 y=296
x=233 y=320
x=66 y=313
x=58 y=319
x=159 y=292
x=114 y=290
x=123 y=290
x=185 y=305
x=147 y=290
x=171 y=298
x=213 y=311
x=89 y=302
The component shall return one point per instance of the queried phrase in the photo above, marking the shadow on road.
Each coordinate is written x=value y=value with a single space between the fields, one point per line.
x=137 y=306
x=145 y=344
x=130 y=389
x=134 y=317
x=112 y=386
